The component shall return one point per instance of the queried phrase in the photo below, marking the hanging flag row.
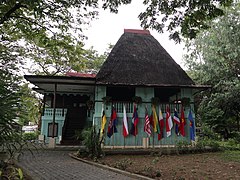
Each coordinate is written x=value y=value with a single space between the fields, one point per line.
x=152 y=124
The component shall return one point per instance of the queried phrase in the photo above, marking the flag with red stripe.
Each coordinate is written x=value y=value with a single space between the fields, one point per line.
x=169 y=123
x=125 y=123
x=147 y=127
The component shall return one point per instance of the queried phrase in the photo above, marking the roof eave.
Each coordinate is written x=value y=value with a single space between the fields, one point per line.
x=157 y=85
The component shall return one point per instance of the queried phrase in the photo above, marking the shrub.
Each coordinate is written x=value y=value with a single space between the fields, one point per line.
x=30 y=136
x=182 y=146
x=92 y=141
x=206 y=143
x=123 y=164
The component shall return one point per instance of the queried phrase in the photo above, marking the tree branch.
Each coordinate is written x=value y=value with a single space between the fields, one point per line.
x=11 y=11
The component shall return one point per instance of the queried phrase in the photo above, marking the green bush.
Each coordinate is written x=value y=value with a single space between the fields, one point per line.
x=92 y=141
x=123 y=164
x=236 y=136
x=204 y=144
x=30 y=136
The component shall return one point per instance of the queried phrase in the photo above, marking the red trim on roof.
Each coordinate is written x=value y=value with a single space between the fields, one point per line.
x=137 y=31
x=76 y=74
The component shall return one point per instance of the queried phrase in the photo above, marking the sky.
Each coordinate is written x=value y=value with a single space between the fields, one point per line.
x=108 y=28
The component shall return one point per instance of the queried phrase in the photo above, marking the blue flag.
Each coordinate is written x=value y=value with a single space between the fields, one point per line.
x=112 y=126
x=192 y=126
x=134 y=130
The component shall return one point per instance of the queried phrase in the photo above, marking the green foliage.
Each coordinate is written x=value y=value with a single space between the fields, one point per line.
x=29 y=106
x=30 y=136
x=10 y=172
x=50 y=34
x=185 y=18
x=137 y=99
x=236 y=136
x=149 y=171
x=92 y=141
x=9 y=103
x=182 y=145
x=123 y=164
x=208 y=145
x=231 y=156
x=215 y=61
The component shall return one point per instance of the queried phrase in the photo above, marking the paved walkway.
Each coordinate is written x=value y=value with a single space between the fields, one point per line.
x=58 y=165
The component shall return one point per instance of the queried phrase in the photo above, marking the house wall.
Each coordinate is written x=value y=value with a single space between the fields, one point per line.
x=48 y=118
x=146 y=93
x=63 y=102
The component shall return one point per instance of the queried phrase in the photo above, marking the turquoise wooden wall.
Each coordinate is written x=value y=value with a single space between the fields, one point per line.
x=146 y=93
x=48 y=118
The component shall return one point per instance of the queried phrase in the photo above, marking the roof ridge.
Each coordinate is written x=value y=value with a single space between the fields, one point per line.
x=137 y=31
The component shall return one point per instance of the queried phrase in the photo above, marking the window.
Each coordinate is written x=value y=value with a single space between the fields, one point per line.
x=121 y=96
x=121 y=93
x=50 y=129
x=164 y=94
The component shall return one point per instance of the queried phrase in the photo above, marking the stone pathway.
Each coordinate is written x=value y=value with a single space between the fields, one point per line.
x=51 y=165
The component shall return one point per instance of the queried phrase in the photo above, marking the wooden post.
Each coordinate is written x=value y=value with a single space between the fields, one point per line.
x=153 y=140
x=113 y=137
x=54 y=109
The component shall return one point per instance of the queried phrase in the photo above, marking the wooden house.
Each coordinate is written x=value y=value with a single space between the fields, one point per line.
x=138 y=66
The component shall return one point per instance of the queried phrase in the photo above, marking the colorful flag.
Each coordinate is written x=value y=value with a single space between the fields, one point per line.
x=155 y=120
x=192 y=126
x=182 y=123
x=147 y=128
x=161 y=124
x=169 y=123
x=112 y=123
x=104 y=121
x=125 y=123
x=134 y=130
x=177 y=121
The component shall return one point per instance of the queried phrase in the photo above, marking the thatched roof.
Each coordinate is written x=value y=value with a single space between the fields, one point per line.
x=139 y=59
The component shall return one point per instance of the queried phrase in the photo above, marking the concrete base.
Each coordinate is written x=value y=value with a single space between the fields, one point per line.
x=41 y=138
x=145 y=142
x=52 y=142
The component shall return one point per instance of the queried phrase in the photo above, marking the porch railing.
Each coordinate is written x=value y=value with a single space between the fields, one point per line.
x=58 y=113
x=118 y=105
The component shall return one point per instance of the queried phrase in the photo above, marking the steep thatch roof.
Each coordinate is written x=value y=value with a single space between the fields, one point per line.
x=139 y=59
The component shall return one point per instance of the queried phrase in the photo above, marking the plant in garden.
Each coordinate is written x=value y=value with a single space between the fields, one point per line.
x=10 y=172
x=123 y=164
x=92 y=141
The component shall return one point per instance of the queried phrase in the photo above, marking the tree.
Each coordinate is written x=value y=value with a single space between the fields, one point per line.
x=214 y=59
x=49 y=32
x=181 y=17
x=9 y=103
x=30 y=106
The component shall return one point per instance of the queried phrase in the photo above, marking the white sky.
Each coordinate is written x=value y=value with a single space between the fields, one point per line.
x=108 y=28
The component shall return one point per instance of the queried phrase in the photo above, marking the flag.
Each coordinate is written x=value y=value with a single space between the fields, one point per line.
x=147 y=128
x=177 y=121
x=151 y=120
x=155 y=120
x=112 y=123
x=182 y=123
x=169 y=123
x=192 y=126
x=104 y=121
x=125 y=123
x=161 y=124
x=134 y=130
